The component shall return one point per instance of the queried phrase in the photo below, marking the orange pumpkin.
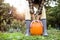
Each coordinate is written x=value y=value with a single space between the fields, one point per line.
x=36 y=28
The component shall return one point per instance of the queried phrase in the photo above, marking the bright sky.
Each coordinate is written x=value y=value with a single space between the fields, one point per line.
x=19 y=4
x=15 y=2
x=52 y=4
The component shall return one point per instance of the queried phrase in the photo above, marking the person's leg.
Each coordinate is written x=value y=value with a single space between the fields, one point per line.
x=28 y=17
x=28 y=27
x=27 y=21
x=45 y=27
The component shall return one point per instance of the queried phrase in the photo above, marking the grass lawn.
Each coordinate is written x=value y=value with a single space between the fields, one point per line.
x=53 y=34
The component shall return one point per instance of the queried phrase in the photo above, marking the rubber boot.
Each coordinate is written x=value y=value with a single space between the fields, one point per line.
x=27 y=27
x=45 y=27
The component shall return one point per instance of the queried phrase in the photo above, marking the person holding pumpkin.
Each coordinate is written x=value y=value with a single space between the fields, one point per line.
x=21 y=9
x=36 y=7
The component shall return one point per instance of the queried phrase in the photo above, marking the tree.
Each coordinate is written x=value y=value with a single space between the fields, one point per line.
x=4 y=16
x=53 y=14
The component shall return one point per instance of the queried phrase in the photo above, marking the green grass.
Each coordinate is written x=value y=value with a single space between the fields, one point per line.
x=53 y=34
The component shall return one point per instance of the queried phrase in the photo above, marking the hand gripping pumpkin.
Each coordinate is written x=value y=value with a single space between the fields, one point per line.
x=36 y=28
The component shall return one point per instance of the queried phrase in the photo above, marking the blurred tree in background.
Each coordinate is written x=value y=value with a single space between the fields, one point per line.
x=53 y=15
x=4 y=16
x=7 y=22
